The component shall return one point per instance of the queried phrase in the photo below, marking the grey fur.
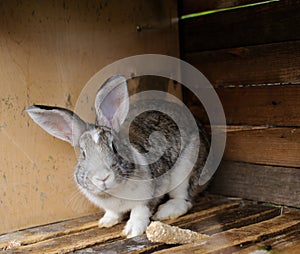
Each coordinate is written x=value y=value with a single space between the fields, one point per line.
x=101 y=144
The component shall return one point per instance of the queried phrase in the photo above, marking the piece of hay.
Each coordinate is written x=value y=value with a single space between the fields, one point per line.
x=14 y=244
x=164 y=233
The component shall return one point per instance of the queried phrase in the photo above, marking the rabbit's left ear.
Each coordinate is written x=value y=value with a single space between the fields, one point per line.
x=59 y=122
x=112 y=102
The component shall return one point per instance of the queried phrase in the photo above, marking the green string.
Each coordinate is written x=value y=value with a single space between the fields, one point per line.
x=203 y=13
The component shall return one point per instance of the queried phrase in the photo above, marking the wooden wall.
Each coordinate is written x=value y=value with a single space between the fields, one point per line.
x=252 y=57
x=48 y=52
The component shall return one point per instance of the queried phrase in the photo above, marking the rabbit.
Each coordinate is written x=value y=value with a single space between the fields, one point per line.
x=120 y=185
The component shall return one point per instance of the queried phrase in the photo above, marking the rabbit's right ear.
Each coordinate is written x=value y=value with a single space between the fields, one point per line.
x=60 y=123
x=112 y=102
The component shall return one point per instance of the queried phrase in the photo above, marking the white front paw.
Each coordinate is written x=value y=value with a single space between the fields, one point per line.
x=109 y=219
x=134 y=228
x=172 y=209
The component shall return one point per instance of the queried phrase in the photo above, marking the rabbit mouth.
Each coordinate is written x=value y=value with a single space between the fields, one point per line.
x=95 y=188
x=88 y=185
x=101 y=192
x=93 y=184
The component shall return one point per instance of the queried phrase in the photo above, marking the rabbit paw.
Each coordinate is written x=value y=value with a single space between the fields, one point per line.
x=172 y=209
x=138 y=222
x=135 y=228
x=109 y=219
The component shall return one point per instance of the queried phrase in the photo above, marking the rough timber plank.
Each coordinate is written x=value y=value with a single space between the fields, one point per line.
x=210 y=214
x=74 y=241
x=194 y=6
x=256 y=105
x=232 y=218
x=235 y=237
x=263 y=183
x=287 y=242
x=263 y=145
x=204 y=221
x=230 y=222
x=41 y=233
x=292 y=250
x=48 y=52
x=247 y=65
x=46 y=234
x=241 y=27
x=270 y=146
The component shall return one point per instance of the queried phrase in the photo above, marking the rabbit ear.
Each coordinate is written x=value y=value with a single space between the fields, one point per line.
x=112 y=102
x=60 y=123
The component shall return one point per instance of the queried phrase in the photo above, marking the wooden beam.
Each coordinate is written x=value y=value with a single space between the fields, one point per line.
x=262 y=183
x=249 y=65
x=274 y=22
x=193 y=6
x=234 y=238
x=41 y=235
x=243 y=215
x=49 y=50
x=265 y=105
x=271 y=146
x=287 y=242
x=211 y=214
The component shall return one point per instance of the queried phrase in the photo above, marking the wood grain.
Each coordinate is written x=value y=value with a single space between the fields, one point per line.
x=211 y=214
x=265 y=105
x=207 y=206
x=279 y=185
x=233 y=225
x=287 y=242
x=231 y=218
x=194 y=6
x=241 y=215
x=48 y=52
x=236 y=237
x=271 y=146
x=243 y=27
x=41 y=233
x=249 y=65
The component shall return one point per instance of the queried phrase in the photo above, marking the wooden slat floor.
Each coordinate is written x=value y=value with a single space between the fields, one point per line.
x=234 y=226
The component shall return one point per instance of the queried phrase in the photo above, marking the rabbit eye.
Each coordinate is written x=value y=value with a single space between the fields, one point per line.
x=83 y=154
x=114 y=148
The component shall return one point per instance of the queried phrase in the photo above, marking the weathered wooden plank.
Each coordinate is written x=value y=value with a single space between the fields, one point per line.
x=263 y=183
x=139 y=244
x=271 y=146
x=42 y=233
x=48 y=234
x=239 y=236
x=242 y=27
x=48 y=52
x=209 y=213
x=262 y=145
x=222 y=217
x=225 y=217
x=263 y=105
x=292 y=250
x=287 y=242
x=75 y=241
x=223 y=214
x=194 y=6
x=232 y=218
x=261 y=64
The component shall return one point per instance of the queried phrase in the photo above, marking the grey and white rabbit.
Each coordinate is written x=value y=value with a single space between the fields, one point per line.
x=118 y=184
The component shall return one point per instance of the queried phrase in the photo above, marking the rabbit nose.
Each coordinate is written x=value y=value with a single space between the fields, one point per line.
x=100 y=179
x=103 y=179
